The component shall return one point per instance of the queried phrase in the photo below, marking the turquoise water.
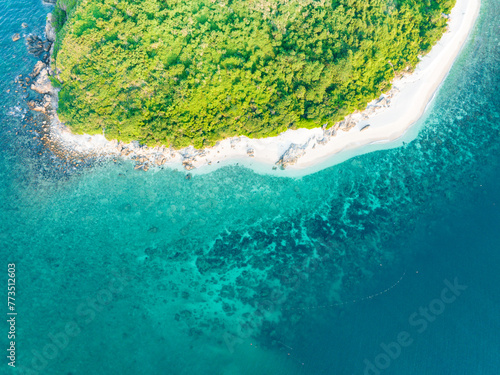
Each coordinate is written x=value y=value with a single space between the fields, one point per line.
x=232 y=272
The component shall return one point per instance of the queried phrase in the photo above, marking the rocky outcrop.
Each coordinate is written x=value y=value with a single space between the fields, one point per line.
x=187 y=165
x=39 y=81
x=291 y=155
x=296 y=151
x=38 y=47
x=348 y=123
x=149 y=157
x=40 y=65
x=42 y=84
x=43 y=106
x=50 y=30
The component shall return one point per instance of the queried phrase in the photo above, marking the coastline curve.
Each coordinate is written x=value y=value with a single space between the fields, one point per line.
x=303 y=151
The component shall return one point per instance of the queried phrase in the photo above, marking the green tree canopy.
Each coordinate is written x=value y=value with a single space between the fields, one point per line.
x=183 y=72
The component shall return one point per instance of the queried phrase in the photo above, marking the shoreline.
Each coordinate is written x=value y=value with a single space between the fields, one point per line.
x=294 y=152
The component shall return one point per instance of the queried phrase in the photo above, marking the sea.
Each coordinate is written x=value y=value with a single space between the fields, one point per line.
x=387 y=263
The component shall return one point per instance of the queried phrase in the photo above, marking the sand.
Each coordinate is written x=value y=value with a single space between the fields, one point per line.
x=308 y=150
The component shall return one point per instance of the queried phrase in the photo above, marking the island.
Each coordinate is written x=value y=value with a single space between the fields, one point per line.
x=286 y=83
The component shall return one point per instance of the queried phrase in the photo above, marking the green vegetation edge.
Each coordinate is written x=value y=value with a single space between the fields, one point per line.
x=192 y=72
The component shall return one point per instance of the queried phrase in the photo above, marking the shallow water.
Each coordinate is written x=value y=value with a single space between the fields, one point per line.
x=233 y=272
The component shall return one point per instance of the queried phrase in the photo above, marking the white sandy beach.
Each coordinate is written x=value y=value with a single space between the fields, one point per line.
x=388 y=117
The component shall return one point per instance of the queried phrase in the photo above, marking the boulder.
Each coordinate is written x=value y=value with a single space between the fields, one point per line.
x=42 y=84
x=38 y=106
x=144 y=167
x=38 y=68
x=50 y=30
x=16 y=37
x=187 y=166
x=291 y=155
x=322 y=141
x=35 y=45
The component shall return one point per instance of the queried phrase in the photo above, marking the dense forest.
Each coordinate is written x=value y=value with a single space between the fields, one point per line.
x=183 y=72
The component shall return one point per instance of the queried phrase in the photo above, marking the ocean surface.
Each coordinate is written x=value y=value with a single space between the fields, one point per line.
x=388 y=263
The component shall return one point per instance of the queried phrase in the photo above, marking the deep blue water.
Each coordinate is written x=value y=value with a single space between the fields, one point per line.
x=125 y=272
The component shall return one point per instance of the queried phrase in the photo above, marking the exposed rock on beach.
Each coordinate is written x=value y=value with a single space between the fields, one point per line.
x=384 y=119
x=50 y=31
x=42 y=84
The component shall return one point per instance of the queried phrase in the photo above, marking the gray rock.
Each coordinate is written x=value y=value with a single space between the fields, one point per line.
x=383 y=101
x=43 y=106
x=291 y=155
x=50 y=30
x=187 y=166
x=42 y=84
x=38 y=68
x=322 y=141
x=161 y=161
x=35 y=45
